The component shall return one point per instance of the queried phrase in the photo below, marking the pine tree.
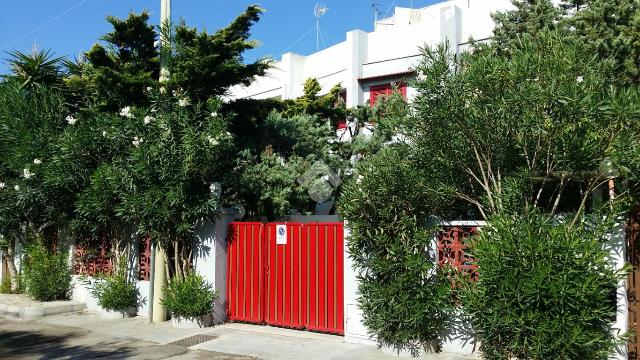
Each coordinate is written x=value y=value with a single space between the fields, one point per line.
x=116 y=73
x=207 y=65
x=528 y=18
x=611 y=29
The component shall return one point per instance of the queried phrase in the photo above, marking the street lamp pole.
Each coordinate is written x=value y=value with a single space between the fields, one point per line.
x=159 y=312
x=165 y=23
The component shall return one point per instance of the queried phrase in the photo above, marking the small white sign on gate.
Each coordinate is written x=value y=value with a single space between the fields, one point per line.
x=281 y=234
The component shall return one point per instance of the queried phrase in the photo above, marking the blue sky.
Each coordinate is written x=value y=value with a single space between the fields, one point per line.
x=70 y=27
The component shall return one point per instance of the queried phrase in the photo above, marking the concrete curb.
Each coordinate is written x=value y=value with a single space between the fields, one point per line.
x=41 y=310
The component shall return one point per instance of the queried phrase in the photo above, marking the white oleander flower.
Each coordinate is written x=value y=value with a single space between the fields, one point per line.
x=27 y=173
x=212 y=140
x=37 y=161
x=228 y=134
x=71 y=120
x=572 y=28
x=215 y=189
x=183 y=102
x=137 y=141
x=163 y=90
x=126 y=112
x=214 y=114
x=2 y=185
x=148 y=119
x=359 y=179
x=149 y=88
x=16 y=188
x=104 y=133
x=580 y=79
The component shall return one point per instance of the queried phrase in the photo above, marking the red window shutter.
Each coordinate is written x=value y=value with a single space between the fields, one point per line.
x=385 y=89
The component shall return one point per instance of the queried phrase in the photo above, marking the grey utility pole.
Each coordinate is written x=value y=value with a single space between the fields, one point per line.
x=159 y=313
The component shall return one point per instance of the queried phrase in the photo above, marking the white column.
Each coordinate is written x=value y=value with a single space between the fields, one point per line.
x=210 y=260
x=354 y=329
x=357 y=43
x=618 y=251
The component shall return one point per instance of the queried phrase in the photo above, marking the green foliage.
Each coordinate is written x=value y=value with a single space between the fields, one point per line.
x=529 y=18
x=38 y=68
x=5 y=286
x=117 y=292
x=159 y=179
x=207 y=65
x=546 y=117
x=404 y=297
x=272 y=159
x=189 y=298
x=47 y=276
x=115 y=74
x=29 y=123
x=608 y=29
x=611 y=30
x=546 y=289
x=328 y=107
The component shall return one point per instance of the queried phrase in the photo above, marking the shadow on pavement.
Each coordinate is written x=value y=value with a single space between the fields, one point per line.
x=34 y=344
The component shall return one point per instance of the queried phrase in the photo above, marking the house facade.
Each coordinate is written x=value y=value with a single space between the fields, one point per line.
x=368 y=63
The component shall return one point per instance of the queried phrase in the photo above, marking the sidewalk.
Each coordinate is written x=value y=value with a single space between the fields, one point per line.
x=234 y=339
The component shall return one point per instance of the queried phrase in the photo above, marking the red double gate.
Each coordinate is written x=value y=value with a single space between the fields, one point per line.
x=293 y=279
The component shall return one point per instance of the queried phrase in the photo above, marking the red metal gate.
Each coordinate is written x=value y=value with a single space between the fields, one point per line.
x=285 y=268
x=295 y=282
x=245 y=272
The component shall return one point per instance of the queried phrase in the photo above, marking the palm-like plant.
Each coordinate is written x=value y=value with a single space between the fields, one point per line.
x=37 y=68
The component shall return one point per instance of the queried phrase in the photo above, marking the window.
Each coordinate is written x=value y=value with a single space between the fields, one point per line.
x=385 y=89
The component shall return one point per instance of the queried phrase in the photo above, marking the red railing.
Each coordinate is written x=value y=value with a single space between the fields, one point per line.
x=90 y=261
x=144 y=259
x=451 y=250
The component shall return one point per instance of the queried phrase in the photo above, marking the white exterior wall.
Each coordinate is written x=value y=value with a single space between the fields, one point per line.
x=618 y=255
x=392 y=48
x=210 y=261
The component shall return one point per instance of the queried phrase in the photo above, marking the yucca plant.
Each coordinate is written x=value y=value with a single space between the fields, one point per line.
x=38 y=68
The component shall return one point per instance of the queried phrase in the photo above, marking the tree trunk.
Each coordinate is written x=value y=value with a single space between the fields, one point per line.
x=13 y=272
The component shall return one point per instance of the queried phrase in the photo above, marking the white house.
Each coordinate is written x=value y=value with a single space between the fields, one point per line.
x=366 y=64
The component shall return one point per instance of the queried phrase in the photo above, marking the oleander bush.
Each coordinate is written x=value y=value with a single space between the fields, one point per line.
x=116 y=292
x=47 y=276
x=547 y=290
x=190 y=297
x=404 y=297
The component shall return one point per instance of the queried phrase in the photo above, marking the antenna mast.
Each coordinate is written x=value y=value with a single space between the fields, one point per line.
x=318 y=11
x=376 y=13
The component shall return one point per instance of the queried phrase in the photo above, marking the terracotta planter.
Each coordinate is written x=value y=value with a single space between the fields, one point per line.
x=192 y=323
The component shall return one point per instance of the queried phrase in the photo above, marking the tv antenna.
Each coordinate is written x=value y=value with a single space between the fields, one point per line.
x=319 y=11
x=376 y=12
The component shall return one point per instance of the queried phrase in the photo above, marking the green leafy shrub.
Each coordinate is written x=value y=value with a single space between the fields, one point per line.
x=47 y=276
x=5 y=286
x=117 y=292
x=546 y=290
x=404 y=298
x=189 y=298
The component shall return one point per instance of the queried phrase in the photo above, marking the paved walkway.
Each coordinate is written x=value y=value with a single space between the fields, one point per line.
x=88 y=336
